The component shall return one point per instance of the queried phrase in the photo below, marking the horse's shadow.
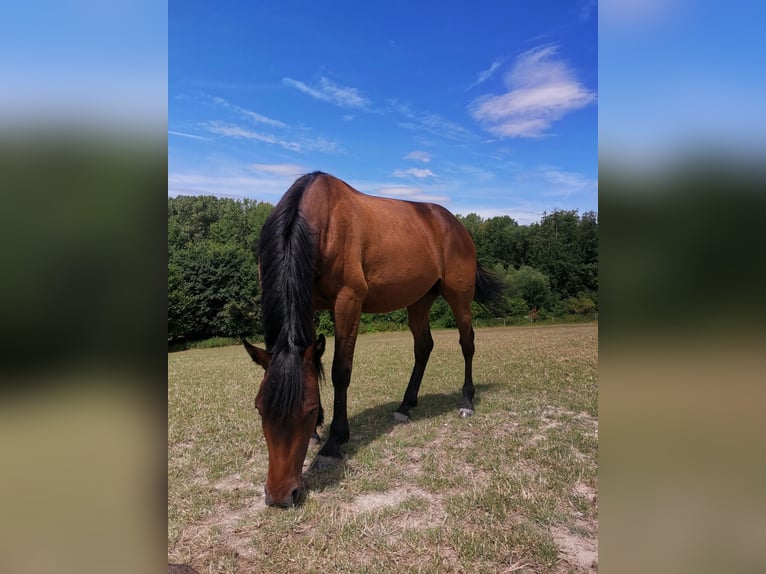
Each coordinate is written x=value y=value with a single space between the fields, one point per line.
x=374 y=422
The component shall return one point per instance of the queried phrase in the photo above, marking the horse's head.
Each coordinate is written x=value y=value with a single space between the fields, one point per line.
x=288 y=401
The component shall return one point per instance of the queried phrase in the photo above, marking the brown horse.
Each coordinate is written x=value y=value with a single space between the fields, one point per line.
x=328 y=246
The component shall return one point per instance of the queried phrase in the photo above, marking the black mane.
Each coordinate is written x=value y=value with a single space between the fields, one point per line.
x=287 y=253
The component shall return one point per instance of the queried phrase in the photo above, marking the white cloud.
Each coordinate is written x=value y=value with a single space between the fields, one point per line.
x=409 y=193
x=283 y=169
x=541 y=90
x=485 y=75
x=327 y=91
x=418 y=156
x=414 y=172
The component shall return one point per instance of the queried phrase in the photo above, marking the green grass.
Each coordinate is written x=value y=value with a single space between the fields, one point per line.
x=491 y=493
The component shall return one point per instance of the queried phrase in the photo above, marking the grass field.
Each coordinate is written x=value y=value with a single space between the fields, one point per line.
x=512 y=489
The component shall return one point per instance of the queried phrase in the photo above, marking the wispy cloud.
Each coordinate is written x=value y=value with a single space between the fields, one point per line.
x=234 y=131
x=318 y=143
x=433 y=124
x=239 y=132
x=327 y=91
x=417 y=155
x=565 y=183
x=523 y=214
x=414 y=172
x=249 y=114
x=283 y=169
x=473 y=172
x=228 y=185
x=541 y=90
x=485 y=75
x=587 y=7
x=637 y=14
x=190 y=136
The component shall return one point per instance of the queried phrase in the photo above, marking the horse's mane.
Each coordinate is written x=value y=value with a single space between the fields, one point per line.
x=287 y=253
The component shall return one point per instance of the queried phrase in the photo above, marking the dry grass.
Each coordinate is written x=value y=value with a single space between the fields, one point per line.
x=513 y=489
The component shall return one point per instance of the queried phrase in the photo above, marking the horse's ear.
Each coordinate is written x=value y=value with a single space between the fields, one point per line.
x=314 y=352
x=319 y=347
x=260 y=356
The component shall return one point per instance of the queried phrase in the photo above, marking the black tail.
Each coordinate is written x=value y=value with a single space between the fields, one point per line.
x=489 y=288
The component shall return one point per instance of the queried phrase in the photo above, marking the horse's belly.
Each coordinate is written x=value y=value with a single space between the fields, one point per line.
x=396 y=292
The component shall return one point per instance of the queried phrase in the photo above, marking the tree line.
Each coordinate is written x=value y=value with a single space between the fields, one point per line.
x=550 y=268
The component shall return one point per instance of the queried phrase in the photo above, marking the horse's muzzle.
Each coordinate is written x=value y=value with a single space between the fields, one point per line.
x=294 y=499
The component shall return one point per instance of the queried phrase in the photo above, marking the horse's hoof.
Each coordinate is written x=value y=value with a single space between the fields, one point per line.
x=465 y=413
x=401 y=418
x=321 y=462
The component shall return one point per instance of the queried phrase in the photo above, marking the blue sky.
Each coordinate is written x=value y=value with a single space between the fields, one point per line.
x=484 y=107
x=679 y=77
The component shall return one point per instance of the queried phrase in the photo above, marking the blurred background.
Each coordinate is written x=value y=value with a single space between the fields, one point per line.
x=682 y=192
x=83 y=300
x=83 y=173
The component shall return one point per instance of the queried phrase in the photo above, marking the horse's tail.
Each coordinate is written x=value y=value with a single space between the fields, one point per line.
x=489 y=288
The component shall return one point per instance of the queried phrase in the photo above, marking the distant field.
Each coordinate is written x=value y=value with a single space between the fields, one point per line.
x=512 y=489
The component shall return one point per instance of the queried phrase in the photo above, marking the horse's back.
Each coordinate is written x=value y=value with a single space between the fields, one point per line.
x=394 y=250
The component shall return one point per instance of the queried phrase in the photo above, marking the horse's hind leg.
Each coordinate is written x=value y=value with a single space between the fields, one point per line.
x=461 y=308
x=417 y=316
x=467 y=346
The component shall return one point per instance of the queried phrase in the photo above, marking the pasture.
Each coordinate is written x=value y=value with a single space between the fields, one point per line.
x=512 y=489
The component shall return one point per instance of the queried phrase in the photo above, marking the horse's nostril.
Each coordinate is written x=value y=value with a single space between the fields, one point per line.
x=296 y=496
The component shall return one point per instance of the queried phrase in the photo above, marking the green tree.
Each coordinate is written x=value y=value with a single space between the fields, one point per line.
x=472 y=222
x=554 y=251
x=532 y=286
x=583 y=304
x=212 y=272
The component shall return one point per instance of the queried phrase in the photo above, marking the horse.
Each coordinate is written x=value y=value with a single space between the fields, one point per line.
x=327 y=246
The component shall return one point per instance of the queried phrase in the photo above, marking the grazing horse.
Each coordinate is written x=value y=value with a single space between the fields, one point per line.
x=328 y=246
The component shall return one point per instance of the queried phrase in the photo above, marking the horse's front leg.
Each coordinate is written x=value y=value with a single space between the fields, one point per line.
x=348 y=310
x=315 y=438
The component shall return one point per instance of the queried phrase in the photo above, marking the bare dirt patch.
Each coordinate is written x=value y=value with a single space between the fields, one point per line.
x=233 y=483
x=579 y=552
x=374 y=500
x=224 y=528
